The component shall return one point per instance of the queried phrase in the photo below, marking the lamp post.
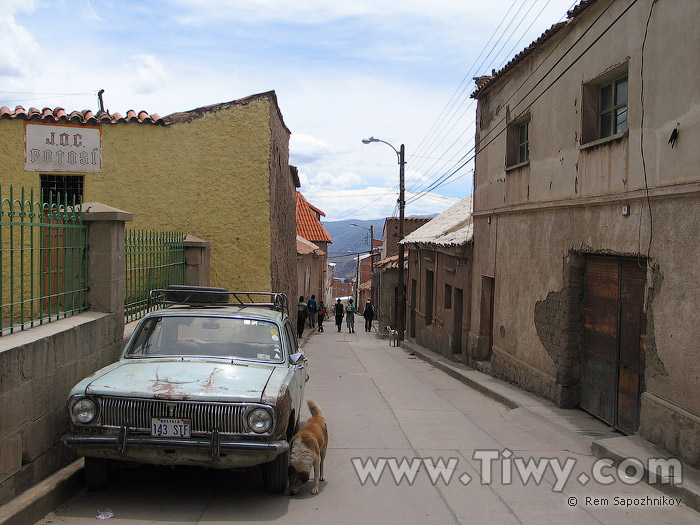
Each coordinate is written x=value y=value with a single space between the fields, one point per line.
x=400 y=154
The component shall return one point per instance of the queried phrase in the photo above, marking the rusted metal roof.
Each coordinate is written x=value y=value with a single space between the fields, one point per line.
x=453 y=227
x=308 y=221
x=484 y=82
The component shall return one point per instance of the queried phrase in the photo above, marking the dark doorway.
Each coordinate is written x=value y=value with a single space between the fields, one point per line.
x=429 y=284
x=488 y=285
x=457 y=324
x=612 y=362
x=414 y=300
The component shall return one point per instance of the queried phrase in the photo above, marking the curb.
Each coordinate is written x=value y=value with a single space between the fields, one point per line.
x=616 y=448
x=622 y=448
x=36 y=502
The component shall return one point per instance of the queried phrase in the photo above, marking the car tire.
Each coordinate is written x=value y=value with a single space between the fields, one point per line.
x=96 y=473
x=275 y=474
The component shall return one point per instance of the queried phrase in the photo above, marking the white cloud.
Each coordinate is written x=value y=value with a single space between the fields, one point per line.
x=148 y=74
x=17 y=43
x=90 y=14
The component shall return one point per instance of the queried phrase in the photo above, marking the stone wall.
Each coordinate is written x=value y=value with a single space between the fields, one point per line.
x=37 y=370
x=282 y=210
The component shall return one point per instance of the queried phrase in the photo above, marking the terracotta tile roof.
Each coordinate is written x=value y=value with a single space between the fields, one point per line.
x=484 y=82
x=305 y=247
x=142 y=117
x=390 y=263
x=78 y=117
x=308 y=221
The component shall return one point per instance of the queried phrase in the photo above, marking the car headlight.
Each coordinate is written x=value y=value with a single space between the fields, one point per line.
x=84 y=411
x=259 y=420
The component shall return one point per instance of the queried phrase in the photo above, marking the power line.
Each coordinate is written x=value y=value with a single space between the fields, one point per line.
x=472 y=157
x=445 y=177
x=470 y=105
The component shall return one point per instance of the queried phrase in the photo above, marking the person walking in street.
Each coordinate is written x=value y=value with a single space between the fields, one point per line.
x=312 y=307
x=368 y=314
x=339 y=312
x=301 y=316
x=350 y=310
x=321 y=315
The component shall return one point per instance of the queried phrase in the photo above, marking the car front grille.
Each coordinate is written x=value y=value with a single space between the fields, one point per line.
x=204 y=417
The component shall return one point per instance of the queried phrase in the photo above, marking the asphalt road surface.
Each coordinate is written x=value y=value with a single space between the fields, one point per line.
x=383 y=406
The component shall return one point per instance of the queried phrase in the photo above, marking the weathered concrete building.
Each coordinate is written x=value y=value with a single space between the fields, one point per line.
x=385 y=275
x=587 y=218
x=219 y=172
x=440 y=255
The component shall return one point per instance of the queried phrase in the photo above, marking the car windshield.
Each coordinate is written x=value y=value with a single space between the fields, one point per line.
x=206 y=336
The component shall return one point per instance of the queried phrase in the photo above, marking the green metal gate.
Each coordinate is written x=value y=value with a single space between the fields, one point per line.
x=153 y=260
x=43 y=262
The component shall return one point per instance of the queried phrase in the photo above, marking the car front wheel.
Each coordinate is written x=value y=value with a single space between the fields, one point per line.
x=275 y=474
x=96 y=473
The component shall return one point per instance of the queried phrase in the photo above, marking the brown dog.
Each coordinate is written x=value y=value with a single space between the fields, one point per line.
x=308 y=449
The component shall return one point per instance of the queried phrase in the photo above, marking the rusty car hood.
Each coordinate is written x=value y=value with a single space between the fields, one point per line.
x=196 y=380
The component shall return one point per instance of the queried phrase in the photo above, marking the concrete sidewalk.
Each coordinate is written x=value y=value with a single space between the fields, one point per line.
x=614 y=446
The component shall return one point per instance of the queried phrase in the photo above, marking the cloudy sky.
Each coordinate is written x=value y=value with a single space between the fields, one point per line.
x=398 y=70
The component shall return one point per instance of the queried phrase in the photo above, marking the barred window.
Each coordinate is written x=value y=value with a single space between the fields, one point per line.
x=64 y=188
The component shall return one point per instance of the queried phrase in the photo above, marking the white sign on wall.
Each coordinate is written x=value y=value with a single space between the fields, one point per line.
x=50 y=147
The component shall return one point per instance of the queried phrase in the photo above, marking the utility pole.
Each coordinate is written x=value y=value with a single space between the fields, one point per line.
x=402 y=286
x=357 y=281
x=401 y=314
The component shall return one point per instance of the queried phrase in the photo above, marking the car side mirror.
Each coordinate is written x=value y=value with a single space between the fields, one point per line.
x=296 y=358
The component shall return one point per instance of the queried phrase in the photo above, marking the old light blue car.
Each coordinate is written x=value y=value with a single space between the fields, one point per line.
x=215 y=379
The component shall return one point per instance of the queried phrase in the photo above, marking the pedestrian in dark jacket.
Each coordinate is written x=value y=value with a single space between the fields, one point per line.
x=368 y=314
x=339 y=311
x=312 y=307
x=301 y=316
x=321 y=315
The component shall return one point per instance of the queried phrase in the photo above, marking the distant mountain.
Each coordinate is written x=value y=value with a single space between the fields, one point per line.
x=348 y=241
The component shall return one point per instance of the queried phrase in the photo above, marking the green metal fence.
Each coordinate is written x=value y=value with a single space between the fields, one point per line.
x=43 y=262
x=153 y=260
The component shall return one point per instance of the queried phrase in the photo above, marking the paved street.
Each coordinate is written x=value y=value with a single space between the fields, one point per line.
x=382 y=402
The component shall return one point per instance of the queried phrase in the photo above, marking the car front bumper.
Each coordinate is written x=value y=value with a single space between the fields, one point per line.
x=200 y=451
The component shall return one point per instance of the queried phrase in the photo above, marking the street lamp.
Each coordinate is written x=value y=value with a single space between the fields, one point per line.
x=400 y=154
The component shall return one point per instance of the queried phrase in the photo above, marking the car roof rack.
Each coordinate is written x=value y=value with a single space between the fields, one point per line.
x=203 y=296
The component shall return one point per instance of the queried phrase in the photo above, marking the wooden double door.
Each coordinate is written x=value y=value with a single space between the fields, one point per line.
x=612 y=374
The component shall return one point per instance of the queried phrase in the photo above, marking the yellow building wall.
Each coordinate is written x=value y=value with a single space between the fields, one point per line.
x=208 y=177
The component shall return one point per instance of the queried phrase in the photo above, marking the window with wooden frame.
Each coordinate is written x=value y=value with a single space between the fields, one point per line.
x=604 y=106
x=518 y=142
x=612 y=108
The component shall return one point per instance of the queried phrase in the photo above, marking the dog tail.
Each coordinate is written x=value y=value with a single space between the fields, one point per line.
x=313 y=407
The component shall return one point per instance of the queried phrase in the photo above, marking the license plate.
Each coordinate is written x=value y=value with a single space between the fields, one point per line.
x=169 y=427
